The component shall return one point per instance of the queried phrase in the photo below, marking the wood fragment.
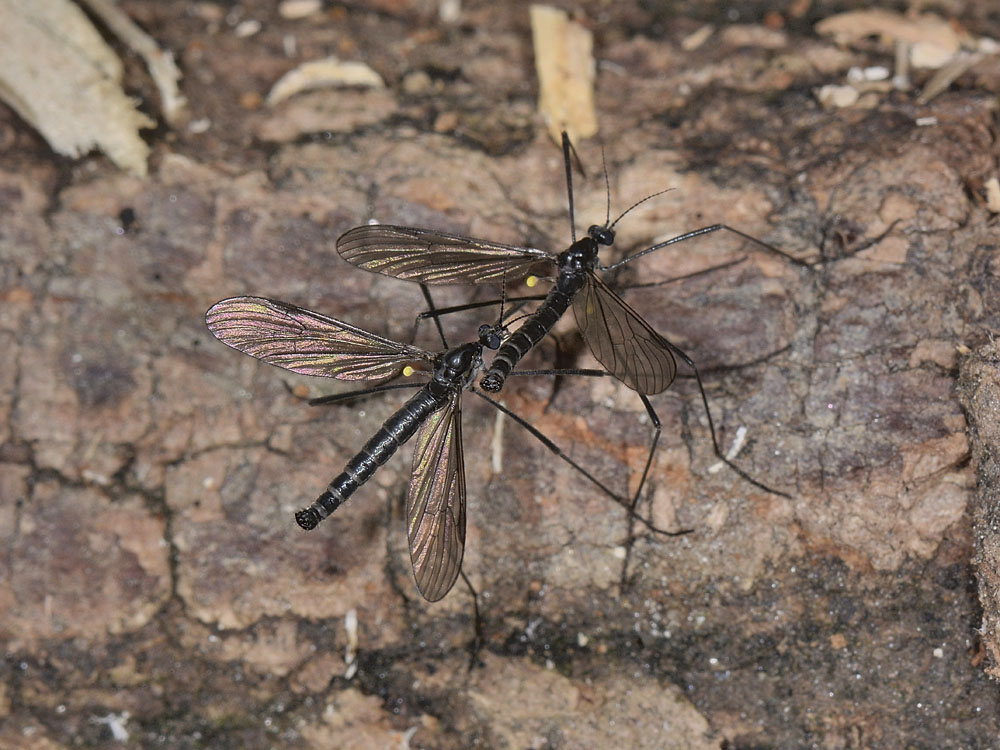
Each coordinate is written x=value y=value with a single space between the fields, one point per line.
x=58 y=74
x=992 y=190
x=296 y=9
x=326 y=73
x=947 y=75
x=159 y=61
x=697 y=38
x=925 y=28
x=565 y=63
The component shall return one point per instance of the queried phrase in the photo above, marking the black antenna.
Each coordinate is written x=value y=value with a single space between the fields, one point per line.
x=634 y=205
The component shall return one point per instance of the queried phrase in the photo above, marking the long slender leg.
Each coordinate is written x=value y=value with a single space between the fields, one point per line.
x=654 y=443
x=337 y=398
x=711 y=426
x=706 y=230
x=653 y=418
x=475 y=305
x=477 y=642
x=630 y=539
x=657 y=429
x=557 y=380
x=544 y=440
x=684 y=277
x=629 y=506
x=436 y=313
x=437 y=318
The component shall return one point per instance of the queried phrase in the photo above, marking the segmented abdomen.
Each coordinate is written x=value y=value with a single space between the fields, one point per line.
x=396 y=430
x=527 y=336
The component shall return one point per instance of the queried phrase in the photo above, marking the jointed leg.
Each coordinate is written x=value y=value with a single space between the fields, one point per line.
x=628 y=504
x=477 y=642
x=706 y=230
x=711 y=427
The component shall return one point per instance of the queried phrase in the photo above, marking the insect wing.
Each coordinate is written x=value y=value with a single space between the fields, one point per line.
x=435 y=503
x=621 y=340
x=431 y=257
x=306 y=342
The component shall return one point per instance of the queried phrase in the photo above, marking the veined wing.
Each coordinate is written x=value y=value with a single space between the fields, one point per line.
x=435 y=503
x=622 y=341
x=306 y=342
x=431 y=257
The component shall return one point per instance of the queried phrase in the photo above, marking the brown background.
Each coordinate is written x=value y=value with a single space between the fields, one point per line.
x=149 y=474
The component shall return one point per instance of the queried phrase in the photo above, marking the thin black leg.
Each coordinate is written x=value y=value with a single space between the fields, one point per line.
x=337 y=398
x=437 y=317
x=477 y=641
x=544 y=440
x=657 y=429
x=706 y=230
x=633 y=514
x=711 y=426
x=475 y=305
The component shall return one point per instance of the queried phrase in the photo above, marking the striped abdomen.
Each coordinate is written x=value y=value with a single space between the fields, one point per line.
x=534 y=329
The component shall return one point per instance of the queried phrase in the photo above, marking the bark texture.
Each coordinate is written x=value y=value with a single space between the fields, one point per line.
x=153 y=573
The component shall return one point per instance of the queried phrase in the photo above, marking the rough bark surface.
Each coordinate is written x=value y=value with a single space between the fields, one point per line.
x=152 y=572
x=979 y=392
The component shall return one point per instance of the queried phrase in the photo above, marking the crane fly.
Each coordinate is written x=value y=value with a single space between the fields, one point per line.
x=309 y=343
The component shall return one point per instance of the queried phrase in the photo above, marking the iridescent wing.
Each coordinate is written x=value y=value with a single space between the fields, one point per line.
x=306 y=342
x=621 y=340
x=435 y=503
x=431 y=257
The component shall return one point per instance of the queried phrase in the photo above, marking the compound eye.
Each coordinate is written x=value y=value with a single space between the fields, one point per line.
x=488 y=337
x=602 y=235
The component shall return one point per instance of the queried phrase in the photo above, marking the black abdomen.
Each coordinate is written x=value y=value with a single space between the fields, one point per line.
x=396 y=430
x=529 y=334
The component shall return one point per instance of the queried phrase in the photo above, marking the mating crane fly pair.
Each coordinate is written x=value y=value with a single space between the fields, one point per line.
x=309 y=343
